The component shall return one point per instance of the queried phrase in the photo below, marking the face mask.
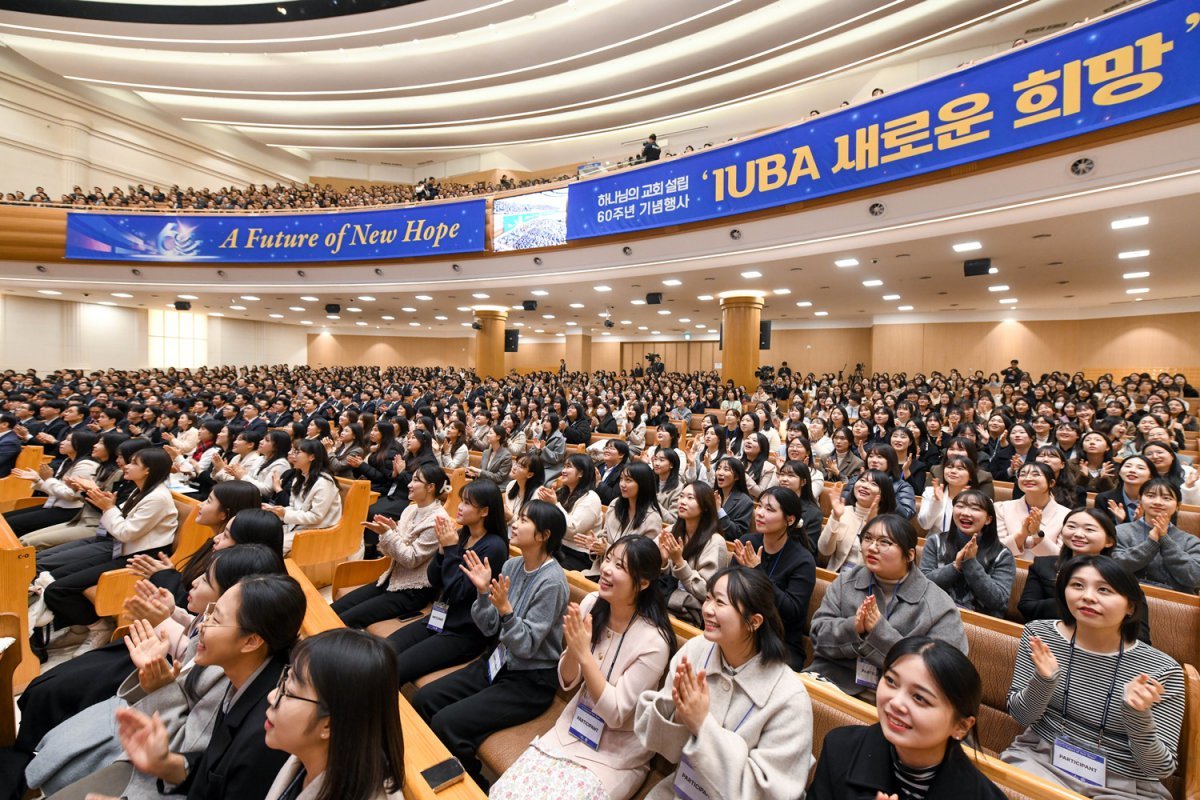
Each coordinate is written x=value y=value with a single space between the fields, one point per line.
x=1058 y=405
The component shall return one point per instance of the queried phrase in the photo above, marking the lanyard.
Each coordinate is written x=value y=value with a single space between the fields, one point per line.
x=778 y=558
x=1112 y=687
x=887 y=613
x=748 y=710
x=616 y=655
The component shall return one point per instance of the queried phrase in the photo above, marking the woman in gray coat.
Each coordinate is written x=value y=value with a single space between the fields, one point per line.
x=553 y=448
x=876 y=604
x=496 y=462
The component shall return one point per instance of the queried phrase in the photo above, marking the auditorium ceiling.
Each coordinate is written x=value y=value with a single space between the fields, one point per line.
x=541 y=82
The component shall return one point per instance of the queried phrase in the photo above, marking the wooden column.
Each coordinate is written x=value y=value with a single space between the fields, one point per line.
x=489 y=341
x=740 y=317
x=578 y=351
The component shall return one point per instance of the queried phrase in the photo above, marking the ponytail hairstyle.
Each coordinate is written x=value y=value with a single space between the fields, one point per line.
x=751 y=592
x=643 y=562
x=790 y=505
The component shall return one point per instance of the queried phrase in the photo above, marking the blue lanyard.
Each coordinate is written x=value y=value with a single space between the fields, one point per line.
x=778 y=558
x=1112 y=687
x=748 y=710
x=887 y=613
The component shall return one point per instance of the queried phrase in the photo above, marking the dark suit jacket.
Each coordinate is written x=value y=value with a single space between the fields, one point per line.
x=257 y=424
x=10 y=448
x=609 y=488
x=237 y=762
x=856 y=764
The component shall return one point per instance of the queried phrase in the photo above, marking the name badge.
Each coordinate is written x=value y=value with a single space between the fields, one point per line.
x=587 y=726
x=496 y=662
x=866 y=674
x=1079 y=762
x=688 y=784
x=437 y=617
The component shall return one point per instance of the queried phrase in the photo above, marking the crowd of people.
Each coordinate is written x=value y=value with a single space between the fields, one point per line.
x=717 y=524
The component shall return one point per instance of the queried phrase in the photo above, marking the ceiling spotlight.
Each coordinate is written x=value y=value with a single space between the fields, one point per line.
x=379 y=272
x=781 y=291
x=456 y=267
x=820 y=313
x=602 y=288
x=387 y=317
x=354 y=310
x=419 y=297
x=296 y=308
x=1008 y=301
x=306 y=322
x=638 y=302
x=308 y=298
x=1129 y=276
x=220 y=274
x=136 y=272
x=672 y=282
x=1000 y=287
x=537 y=260
x=440 y=318
x=705 y=297
x=891 y=297
x=967 y=247
x=904 y=308
x=249 y=297
x=275 y=316
x=665 y=312
x=576 y=305
x=753 y=273
x=547 y=316
x=846 y=262
x=122 y=295
x=187 y=297
x=804 y=304
x=411 y=310
x=627 y=250
x=40 y=268
x=1141 y=290
x=626 y=322
x=481 y=295
x=735 y=234
x=301 y=273
x=366 y=298
x=539 y=292
x=237 y=308
x=50 y=292
x=332 y=316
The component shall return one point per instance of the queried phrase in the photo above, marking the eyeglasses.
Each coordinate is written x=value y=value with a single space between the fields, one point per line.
x=207 y=622
x=282 y=692
x=880 y=543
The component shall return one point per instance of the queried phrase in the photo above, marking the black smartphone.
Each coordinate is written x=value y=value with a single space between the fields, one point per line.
x=447 y=773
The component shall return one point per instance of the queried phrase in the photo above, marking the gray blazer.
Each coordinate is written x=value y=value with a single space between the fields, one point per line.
x=496 y=467
x=1173 y=561
x=554 y=453
x=986 y=581
x=919 y=608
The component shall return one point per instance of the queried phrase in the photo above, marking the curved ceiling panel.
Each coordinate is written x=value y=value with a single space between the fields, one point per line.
x=204 y=12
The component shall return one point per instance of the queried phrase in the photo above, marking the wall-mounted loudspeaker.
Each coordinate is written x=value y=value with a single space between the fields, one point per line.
x=183 y=305
x=654 y=299
x=529 y=305
x=976 y=266
x=332 y=308
x=512 y=338
x=764 y=334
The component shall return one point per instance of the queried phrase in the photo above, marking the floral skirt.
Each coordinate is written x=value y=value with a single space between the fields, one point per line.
x=538 y=776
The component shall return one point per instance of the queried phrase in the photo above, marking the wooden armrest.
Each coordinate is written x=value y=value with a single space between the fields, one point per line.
x=10 y=658
x=27 y=502
x=113 y=589
x=357 y=573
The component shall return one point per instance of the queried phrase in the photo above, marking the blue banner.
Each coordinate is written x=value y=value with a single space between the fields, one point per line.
x=226 y=238
x=1128 y=66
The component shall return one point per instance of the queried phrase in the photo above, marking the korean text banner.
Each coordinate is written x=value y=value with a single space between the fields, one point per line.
x=424 y=230
x=1128 y=66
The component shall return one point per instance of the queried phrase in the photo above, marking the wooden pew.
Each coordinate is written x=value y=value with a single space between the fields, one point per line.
x=17 y=493
x=319 y=551
x=10 y=659
x=16 y=573
x=422 y=749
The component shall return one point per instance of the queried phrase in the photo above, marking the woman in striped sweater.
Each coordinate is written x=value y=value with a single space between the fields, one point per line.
x=1102 y=710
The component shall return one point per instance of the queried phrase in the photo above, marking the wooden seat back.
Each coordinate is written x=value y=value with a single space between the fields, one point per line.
x=1003 y=490
x=1174 y=623
x=16 y=573
x=992 y=647
x=10 y=659
x=319 y=551
x=14 y=490
x=458 y=479
x=1018 y=588
x=475 y=458
x=30 y=457
x=1188 y=520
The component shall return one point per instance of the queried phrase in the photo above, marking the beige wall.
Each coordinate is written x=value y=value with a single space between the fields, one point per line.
x=1116 y=344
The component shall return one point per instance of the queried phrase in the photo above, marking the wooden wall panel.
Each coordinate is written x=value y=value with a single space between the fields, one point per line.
x=819 y=349
x=606 y=356
x=327 y=349
x=535 y=357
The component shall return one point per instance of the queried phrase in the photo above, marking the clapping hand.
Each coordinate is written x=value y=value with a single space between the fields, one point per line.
x=939 y=493
x=546 y=495
x=689 y=692
x=1143 y=692
x=746 y=555
x=671 y=548
x=146 y=565
x=1043 y=659
x=837 y=506
x=446 y=533
x=381 y=525
x=150 y=603
x=25 y=474
x=969 y=550
x=478 y=572
x=1159 y=524
x=577 y=633
x=149 y=655
x=500 y=586
x=102 y=500
x=1117 y=510
x=867 y=616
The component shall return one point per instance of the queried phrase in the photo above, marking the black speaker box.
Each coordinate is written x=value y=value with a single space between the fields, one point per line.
x=332 y=308
x=764 y=334
x=183 y=305
x=654 y=299
x=512 y=338
x=975 y=267
x=529 y=305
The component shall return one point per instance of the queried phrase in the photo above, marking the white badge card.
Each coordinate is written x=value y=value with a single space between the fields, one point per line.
x=688 y=784
x=496 y=662
x=866 y=674
x=437 y=617
x=587 y=726
x=1079 y=762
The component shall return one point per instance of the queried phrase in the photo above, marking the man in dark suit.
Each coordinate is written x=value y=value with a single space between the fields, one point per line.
x=10 y=444
x=253 y=421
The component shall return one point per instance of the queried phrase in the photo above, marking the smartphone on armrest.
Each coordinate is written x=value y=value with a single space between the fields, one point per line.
x=443 y=775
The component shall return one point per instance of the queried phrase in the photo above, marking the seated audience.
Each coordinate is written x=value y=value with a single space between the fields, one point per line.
x=968 y=561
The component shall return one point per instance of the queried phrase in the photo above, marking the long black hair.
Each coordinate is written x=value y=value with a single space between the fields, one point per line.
x=258 y=526
x=82 y=442
x=582 y=464
x=158 y=469
x=989 y=539
x=647 y=496
x=537 y=477
x=672 y=457
x=281 y=445
x=486 y=496
x=349 y=671
x=706 y=526
x=739 y=474
x=228 y=567
x=751 y=592
x=953 y=672
x=316 y=471
x=547 y=519
x=234 y=498
x=643 y=562
x=112 y=442
x=755 y=468
x=272 y=608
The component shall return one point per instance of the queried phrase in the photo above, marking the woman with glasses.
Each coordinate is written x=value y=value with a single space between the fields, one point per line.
x=871 y=607
x=326 y=714
x=873 y=494
x=410 y=542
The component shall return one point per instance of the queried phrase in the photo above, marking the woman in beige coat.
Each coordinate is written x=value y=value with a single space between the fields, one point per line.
x=733 y=714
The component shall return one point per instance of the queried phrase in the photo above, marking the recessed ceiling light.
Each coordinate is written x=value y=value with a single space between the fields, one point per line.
x=1133 y=254
x=606 y=333
x=237 y=308
x=106 y=303
x=967 y=247
x=560 y=333
x=123 y=295
x=704 y=297
x=296 y=308
x=518 y=324
x=211 y=313
x=465 y=324
x=275 y=316
x=518 y=307
x=999 y=287
x=781 y=291
x=440 y=318
x=332 y=316
x=463 y=308
x=804 y=304
x=539 y=330
x=637 y=302
x=547 y=316
x=481 y=296
x=539 y=293
x=306 y=322
x=387 y=318
x=626 y=322
x=820 y=313
x=1129 y=222
x=1130 y=276
x=249 y=297
x=1008 y=301
x=411 y=310
x=411 y=324
x=846 y=262
x=992 y=270
x=602 y=288
x=664 y=312
x=419 y=297
x=655 y=333
x=187 y=297
x=51 y=292
x=642 y=328
x=576 y=305
x=572 y=324
x=308 y=298
x=366 y=298
x=872 y=283
x=685 y=320
x=904 y=308
x=701 y=325
x=354 y=310
x=752 y=273
x=1139 y=290
x=891 y=297
x=672 y=282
